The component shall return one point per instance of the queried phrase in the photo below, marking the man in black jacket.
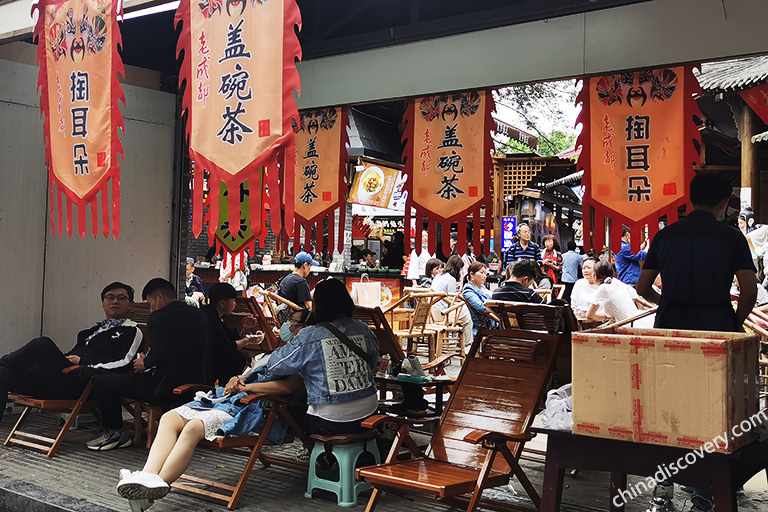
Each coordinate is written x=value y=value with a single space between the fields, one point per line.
x=179 y=354
x=35 y=369
x=520 y=275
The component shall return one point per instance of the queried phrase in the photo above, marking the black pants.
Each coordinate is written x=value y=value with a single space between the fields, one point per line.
x=318 y=425
x=110 y=388
x=568 y=291
x=35 y=369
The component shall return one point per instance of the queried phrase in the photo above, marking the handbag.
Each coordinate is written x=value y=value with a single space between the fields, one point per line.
x=366 y=293
x=349 y=344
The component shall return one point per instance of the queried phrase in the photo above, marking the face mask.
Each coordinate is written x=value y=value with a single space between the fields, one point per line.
x=285 y=332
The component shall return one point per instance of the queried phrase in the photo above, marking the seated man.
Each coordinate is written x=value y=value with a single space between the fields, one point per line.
x=226 y=358
x=295 y=286
x=179 y=354
x=35 y=368
x=520 y=276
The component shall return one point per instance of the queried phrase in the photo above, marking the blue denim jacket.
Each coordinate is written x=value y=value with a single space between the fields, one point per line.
x=246 y=418
x=476 y=297
x=332 y=373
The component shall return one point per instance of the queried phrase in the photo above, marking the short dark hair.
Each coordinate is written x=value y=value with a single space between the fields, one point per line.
x=115 y=285
x=624 y=231
x=331 y=300
x=603 y=270
x=366 y=252
x=158 y=284
x=474 y=268
x=221 y=291
x=302 y=316
x=525 y=268
x=432 y=264
x=571 y=245
x=709 y=188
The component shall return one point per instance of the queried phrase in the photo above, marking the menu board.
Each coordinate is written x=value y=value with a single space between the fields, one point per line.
x=378 y=185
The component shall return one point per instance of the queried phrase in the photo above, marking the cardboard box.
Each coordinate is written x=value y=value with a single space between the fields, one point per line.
x=668 y=387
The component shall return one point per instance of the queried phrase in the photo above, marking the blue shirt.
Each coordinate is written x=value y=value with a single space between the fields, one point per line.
x=571 y=265
x=628 y=264
x=476 y=297
x=516 y=252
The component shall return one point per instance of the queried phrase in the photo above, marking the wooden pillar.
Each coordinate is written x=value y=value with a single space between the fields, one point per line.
x=498 y=202
x=749 y=158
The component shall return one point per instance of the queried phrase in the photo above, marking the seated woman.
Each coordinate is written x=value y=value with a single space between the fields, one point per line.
x=336 y=405
x=432 y=269
x=476 y=294
x=585 y=288
x=617 y=298
x=447 y=281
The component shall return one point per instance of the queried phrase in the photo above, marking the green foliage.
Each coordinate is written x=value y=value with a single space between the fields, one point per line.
x=540 y=107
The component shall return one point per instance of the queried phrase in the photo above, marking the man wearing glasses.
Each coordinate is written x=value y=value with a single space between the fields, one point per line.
x=35 y=368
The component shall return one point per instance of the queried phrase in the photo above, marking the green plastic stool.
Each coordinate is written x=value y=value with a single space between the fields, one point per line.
x=347 y=449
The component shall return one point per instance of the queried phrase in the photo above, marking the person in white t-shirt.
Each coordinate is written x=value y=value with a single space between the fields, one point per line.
x=584 y=289
x=615 y=297
x=418 y=262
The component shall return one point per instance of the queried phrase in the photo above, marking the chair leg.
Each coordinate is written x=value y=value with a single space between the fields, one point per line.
x=152 y=423
x=18 y=424
x=255 y=452
x=372 y=501
x=138 y=422
x=71 y=419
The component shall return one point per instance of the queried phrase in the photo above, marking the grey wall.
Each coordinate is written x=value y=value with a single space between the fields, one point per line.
x=639 y=35
x=51 y=284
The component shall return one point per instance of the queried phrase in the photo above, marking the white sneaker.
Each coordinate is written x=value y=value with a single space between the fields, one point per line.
x=141 y=485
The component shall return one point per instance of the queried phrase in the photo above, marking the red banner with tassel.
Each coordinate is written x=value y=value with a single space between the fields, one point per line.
x=318 y=188
x=240 y=73
x=77 y=54
x=638 y=150
x=448 y=164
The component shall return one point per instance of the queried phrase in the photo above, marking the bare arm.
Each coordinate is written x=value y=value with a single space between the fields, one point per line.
x=645 y=285
x=747 y=294
x=592 y=313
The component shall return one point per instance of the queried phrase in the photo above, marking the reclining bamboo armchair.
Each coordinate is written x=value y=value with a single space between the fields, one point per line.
x=480 y=436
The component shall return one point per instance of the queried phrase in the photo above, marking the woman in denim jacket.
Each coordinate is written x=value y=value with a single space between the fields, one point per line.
x=476 y=294
x=340 y=388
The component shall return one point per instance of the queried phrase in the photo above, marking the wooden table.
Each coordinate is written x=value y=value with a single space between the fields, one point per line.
x=721 y=473
x=438 y=384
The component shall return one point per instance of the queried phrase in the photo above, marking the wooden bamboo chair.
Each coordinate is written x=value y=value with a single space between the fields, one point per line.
x=533 y=317
x=71 y=407
x=271 y=339
x=450 y=332
x=375 y=319
x=419 y=333
x=45 y=444
x=481 y=433
x=250 y=446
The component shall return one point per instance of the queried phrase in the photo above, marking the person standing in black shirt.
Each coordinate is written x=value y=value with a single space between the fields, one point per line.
x=697 y=258
x=295 y=286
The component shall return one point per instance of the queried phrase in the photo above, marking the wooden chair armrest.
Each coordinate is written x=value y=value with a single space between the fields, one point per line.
x=453 y=308
x=378 y=420
x=399 y=302
x=85 y=370
x=189 y=388
x=629 y=320
x=278 y=298
x=481 y=436
x=438 y=361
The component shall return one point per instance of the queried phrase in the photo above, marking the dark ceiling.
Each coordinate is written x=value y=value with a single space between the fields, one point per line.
x=338 y=26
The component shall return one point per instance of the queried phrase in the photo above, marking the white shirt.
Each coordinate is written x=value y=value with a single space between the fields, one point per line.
x=347 y=411
x=444 y=282
x=618 y=300
x=418 y=263
x=582 y=294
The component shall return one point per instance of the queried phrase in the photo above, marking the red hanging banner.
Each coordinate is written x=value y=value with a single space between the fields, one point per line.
x=757 y=99
x=240 y=73
x=638 y=150
x=318 y=183
x=77 y=55
x=448 y=163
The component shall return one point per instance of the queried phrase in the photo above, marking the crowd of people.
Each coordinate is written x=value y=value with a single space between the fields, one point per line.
x=195 y=345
